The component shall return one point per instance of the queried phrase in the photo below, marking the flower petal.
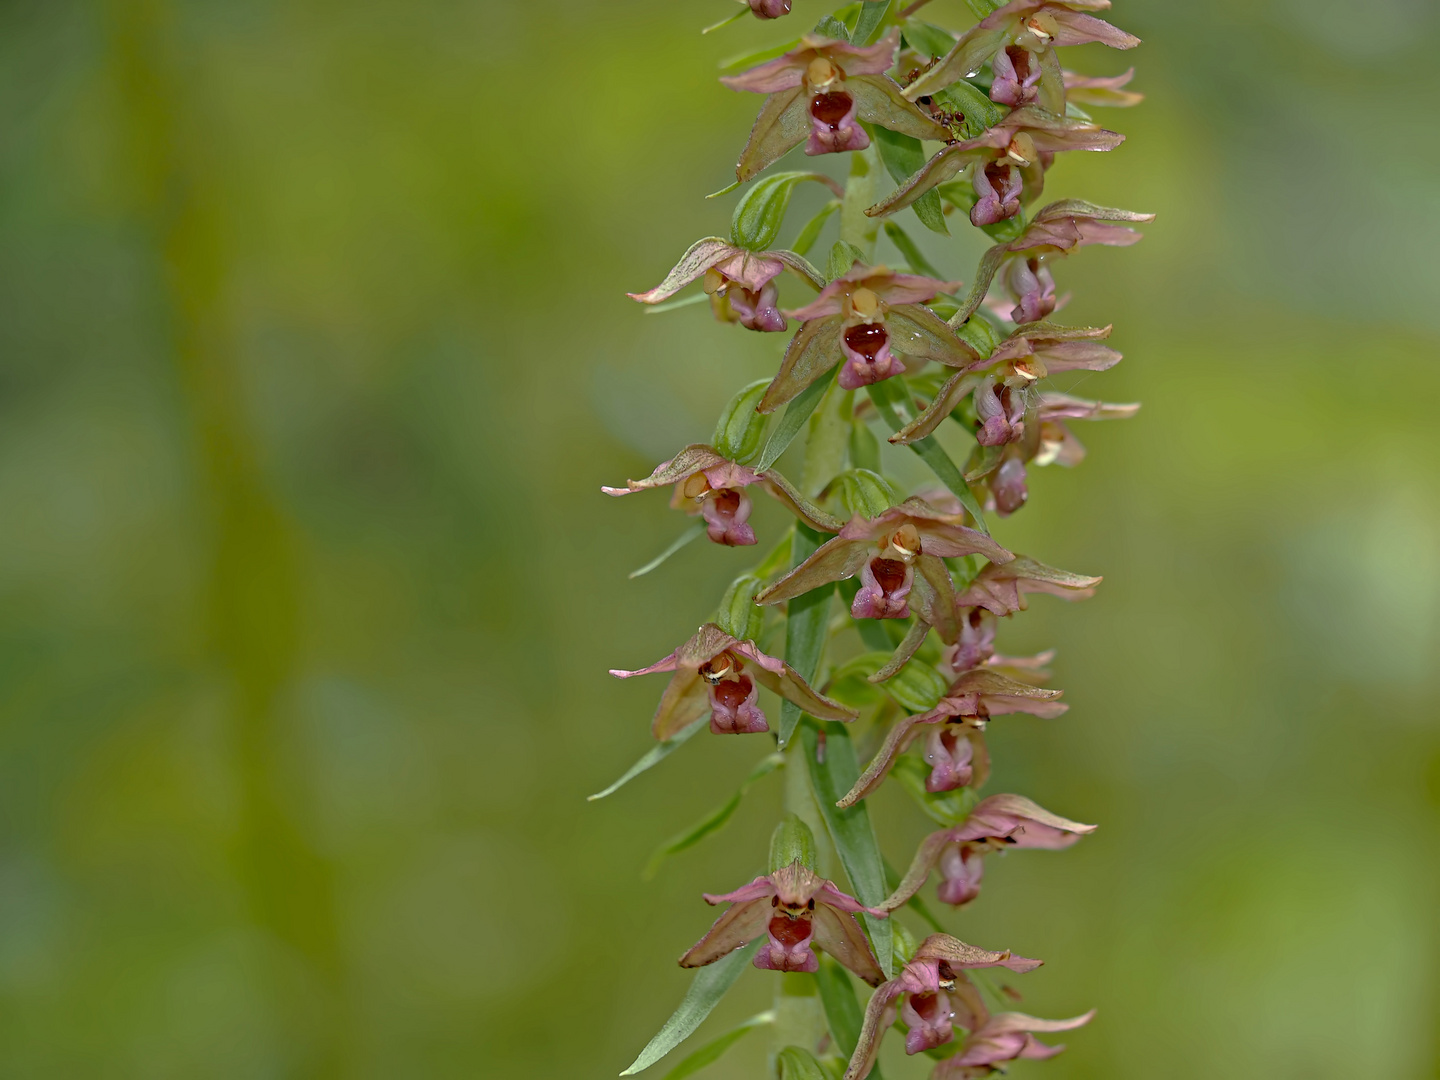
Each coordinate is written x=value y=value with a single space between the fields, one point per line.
x=878 y=99
x=703 y=254
x=840 y=935
x=977 y=45
x=867 y=1047
x=945 y=165
x=918 y=332
x=740 y=924
x=958 y=954
x=896 y=739
x=783 y=123
x=835 y=560
x=694 y=458
x=813 y=351
x=1021 y=821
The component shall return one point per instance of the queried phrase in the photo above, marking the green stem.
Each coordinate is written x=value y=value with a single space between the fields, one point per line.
x=855 y=227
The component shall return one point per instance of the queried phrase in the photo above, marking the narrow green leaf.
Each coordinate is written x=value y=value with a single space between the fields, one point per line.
x=680 y=541
x=797 y=1063
x=928 y=38
x=714 y=821
x=850 y=829
x=904 y=156
x=724 y=190
x=653 y=757
x=706 y=989
x=671 y=305
x=713 y=1051
x=842 y=1010
x=804 y=629
x=897 y=408
x=872 y=14
x=811 y=232
x=727 y=21
x=796 y=413
x=913 y=255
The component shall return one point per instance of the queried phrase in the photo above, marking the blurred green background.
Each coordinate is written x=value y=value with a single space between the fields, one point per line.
x=313 y=357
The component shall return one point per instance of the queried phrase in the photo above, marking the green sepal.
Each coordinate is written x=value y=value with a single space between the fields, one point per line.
x=913 y=255
x=867 y=493
x=715 y=1049
x=915 y=904
x=739 y=615
x=707 y=988
x=760 y=213
x=833 y=774
x=946 y=808
x=792 y=842
x=805 y=621
x=904 y=156
x=797 y=1063
x=712 y=822
x=807 y=236
x=740 y=431
x=652 y=757
x=843 y=255
x=831 y=27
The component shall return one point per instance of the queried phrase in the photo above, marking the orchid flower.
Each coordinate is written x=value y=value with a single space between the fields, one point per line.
x=740 y=283
x=1001 y=588
x=1057 y=229
x=887 y=551
x=818 y=93
x=1002 y=1038
x=871 y=319
x=721 y=675
x=795 y=909
x=1019 y=42
x=996 y=823
x=968 y=704
x=709 y=484
x=1009 y=162
x=932 y=990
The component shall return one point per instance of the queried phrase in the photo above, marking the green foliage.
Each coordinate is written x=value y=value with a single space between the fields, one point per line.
x=707 y=987
x=714 y=821
x=740 y=429
x=804 y=627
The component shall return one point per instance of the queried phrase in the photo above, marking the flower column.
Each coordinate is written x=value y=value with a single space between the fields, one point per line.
x=904 y=671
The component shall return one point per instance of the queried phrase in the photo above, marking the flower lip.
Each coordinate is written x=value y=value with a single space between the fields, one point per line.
x=867 y=339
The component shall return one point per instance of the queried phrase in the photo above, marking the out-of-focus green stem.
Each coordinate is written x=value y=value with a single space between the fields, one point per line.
x=855 y=227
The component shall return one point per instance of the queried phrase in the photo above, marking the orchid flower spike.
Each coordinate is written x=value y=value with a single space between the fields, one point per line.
x=1019 y=42
x=1001 y=588
x=740 y=283
x=818 y=93
x=721 y=675
x=968 y=704
x=1009 y=162
x=1002 y=1038
x=711 y=485
x=996 y=823
x=933 y=991
x=796 y=909
x=887 y=551
x=871 y=319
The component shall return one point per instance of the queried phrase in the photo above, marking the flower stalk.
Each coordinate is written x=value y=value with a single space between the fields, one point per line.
x=863 y=647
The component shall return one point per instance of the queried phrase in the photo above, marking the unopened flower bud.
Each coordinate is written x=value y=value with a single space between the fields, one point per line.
x=740 y=429
x=792 y=842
